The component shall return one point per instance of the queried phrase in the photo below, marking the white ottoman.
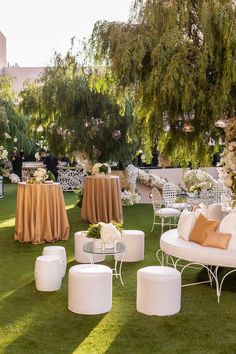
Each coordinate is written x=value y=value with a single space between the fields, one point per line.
x=57 y=251
x=47 y=273
x=158 y=291
x=81 y=256
x=134 y=241
x=90 y=289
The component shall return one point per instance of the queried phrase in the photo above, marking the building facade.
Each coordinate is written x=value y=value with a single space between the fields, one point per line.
x=20 y=75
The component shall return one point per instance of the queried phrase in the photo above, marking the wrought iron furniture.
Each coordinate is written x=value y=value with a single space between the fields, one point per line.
x=170 y=215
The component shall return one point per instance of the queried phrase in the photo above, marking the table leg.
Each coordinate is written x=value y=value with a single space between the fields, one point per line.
x=120 y=268
x=90 y=257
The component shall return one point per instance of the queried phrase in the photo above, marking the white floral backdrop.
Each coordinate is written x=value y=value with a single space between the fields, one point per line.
x=227 y=171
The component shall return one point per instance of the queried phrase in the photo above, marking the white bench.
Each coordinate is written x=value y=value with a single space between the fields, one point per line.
x=174 y=247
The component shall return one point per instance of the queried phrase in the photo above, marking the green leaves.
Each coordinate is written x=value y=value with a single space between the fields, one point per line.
x=79 y=110
x=178 y=56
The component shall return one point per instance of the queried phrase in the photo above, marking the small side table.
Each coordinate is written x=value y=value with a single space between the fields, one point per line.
x=119 y=248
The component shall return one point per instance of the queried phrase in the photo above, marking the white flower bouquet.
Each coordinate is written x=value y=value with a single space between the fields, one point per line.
x=198 y=180
x=40 y=175
x=14 y=178
x=101 y=169
x=107 y=233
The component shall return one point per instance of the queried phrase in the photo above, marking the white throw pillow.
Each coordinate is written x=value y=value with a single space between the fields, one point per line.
x=202 y=210
x=228 y=225
x=186 y=222
x=215 y=212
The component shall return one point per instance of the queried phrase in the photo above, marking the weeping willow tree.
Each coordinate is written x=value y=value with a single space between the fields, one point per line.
x=13 y=125
x=178 y=57
x=76 y=116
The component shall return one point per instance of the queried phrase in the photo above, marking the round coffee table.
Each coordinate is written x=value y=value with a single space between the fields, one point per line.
x=119 y=248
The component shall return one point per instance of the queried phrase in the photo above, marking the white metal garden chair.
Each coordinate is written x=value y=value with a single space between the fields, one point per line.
x=219 y=191
x=169 y=196
x=168 y=216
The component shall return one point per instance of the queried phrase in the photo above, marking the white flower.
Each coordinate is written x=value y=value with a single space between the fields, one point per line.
x=7 y=136
x=3 y=153
x=198 y=179
x=14 y=178
x=109 y=232
x=101 y=169
x=40 y=173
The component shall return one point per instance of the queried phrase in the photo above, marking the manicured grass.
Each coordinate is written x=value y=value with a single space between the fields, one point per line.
x=37 y=322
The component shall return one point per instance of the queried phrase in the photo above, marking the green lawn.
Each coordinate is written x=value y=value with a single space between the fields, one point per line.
x=37 y=322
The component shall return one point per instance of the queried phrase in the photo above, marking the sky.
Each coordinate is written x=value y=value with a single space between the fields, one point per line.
x=35 y=29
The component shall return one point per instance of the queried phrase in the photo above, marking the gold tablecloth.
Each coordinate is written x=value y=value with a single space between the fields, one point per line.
x=40 y=213
x=102 y=199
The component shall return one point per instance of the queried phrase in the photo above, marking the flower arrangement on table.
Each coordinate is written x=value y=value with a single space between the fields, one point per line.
x=197 y=180
x=107 y=234
x=41 y=175
x=101 y=169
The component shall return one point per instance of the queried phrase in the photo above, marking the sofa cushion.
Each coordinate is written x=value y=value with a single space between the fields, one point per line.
x=167 y=212
x=228 y=225
x=201 y=209
x=202 y=225
x=186 y=222
x=216 y=239
x=215 y=212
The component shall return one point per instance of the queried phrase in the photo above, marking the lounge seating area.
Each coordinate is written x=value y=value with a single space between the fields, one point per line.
x=46 y=313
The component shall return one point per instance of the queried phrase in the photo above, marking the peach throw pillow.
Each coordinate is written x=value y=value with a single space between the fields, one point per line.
x=202 y=225
x=217 y=240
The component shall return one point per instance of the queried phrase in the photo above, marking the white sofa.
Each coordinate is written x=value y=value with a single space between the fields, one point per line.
x=176 y=248
x=173 y=245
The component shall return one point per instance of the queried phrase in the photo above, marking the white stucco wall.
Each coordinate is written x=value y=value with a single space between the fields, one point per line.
x=3 y=51
x=21 y=75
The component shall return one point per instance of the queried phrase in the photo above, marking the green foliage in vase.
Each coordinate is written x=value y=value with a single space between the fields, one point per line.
x=178 y=57
x=12 y=123
x=118 y=225
x=50 y=176
x=76 y=115
x=94 y=231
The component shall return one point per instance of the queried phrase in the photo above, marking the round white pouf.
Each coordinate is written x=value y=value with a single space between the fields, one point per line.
x=47 y=273
x=57 y=251
x=134 y=241
x=158 y=291
x=90 y=289
x=81 y=256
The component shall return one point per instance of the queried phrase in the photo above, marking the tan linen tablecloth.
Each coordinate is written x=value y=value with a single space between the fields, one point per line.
x=40 y=213
x=102 y=199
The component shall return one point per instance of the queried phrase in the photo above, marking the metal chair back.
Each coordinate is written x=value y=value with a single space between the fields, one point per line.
x=169 y=193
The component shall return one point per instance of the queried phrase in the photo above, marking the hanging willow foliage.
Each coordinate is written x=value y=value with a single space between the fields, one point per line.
x=75 y=115
x=13 y=125
x=179 y=58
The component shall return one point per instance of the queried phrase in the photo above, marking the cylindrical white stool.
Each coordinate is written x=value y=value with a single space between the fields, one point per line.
x=81 y=256
x=158 y=291
x=57 y=251
x=134 y=241
x=47 y=273
x=90 y=289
